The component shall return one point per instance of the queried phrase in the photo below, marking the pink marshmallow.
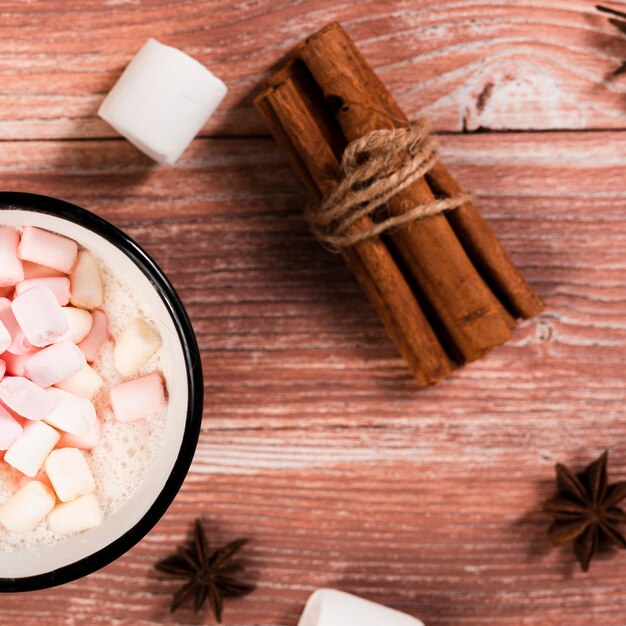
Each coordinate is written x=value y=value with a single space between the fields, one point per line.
x=34 y=270
x=25 y=397
x=3 y=368
x=58 y=285
x=98 y=334
x=138 y=398
x=11 y=270
x=10 y=429
x=54 y=364
x=14 y=363
x=40 y=316
x=49 y=249
x=84 y=441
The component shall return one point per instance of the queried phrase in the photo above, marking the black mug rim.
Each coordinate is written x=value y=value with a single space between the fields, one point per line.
x=93 y=562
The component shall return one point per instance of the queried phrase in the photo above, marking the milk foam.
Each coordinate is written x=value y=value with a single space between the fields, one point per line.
x=126 y=451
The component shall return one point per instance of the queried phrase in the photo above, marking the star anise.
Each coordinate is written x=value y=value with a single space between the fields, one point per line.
x=209 y=574
x=619 y=21
x=585 y=510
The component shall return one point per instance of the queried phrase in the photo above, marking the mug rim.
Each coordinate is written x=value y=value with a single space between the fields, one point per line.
x=88 y=565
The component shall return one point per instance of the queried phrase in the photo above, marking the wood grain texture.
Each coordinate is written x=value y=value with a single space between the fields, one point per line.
x=315 y=442
x=467 y=64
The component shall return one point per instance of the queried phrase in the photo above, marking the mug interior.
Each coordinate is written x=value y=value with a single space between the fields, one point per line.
x=50 y=558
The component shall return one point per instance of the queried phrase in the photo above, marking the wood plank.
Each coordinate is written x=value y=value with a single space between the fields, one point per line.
x=467 y=64
x=316 y=443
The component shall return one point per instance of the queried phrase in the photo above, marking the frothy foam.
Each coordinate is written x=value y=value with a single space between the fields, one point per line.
x=126 y=450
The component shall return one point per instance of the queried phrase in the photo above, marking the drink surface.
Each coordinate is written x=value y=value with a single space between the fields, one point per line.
x=125 y=452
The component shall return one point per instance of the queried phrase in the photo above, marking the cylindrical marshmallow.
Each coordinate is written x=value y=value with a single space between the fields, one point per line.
x=162 y=100
x=25 y=397
x=49 y=249
x=135 y=346
x=55 y=364
x=69 y=474
x=79 y=322
x=71 y=414
x=137 y=399
x=27 y=507
x=40 y=316
x=29 y=452
x=11 y=270
x=87 y=290
x=86 y=383
x=75 y=516
x=329 y=607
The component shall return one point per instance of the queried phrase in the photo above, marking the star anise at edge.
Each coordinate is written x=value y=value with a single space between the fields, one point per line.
x=209 y=575
x=585 y=510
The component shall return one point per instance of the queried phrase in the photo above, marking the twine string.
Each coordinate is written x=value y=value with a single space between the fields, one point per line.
x=374 y=168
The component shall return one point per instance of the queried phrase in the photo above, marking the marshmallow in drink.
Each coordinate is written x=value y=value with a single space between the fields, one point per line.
x=8 y=318
x=135 y=346
x=49 y=249
x=138 y=398
x=25 y=397
x=86 y=383
x=29 y=452
x=162 y=100
x=86 y=441
x=5 y=338
x=69 y=474
x=75 y=516
x=54 y=364
x=79 y=322
x=329 y=607
x=58 y=285
x=71 y=414
x=35 y=270
x=40 y=316
x=86 y=282
x=27 y=507
x=11 y=269
x=98 y=334
x=10 y=429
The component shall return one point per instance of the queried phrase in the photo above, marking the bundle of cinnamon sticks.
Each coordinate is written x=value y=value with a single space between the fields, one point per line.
x=444 y=287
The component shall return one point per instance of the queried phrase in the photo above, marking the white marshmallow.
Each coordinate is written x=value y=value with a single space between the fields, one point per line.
x=86 y=282
x=29 y=452
x=75 y=516
x=79 y=322
x=162 y=100
x=27 y=507
x=5 y=337
x=72 y=414
x=329 y=607
x=69 y=474
x=136 y=345
x=86 y=383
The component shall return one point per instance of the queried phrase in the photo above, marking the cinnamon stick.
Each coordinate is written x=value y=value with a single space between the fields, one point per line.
x=473 y=231
x=434 y=257
x=288 y=113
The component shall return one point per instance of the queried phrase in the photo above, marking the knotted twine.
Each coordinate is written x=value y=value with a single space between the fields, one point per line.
x=374 y=168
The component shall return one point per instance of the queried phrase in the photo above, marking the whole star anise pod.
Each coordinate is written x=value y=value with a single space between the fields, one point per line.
x=209 y=574
x=585 y=510
x=619 y=21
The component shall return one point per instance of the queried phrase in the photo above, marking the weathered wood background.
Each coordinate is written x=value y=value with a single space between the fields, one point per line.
x=316 y=443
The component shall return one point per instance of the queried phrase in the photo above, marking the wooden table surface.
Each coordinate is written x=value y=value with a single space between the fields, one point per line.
x=316 y=443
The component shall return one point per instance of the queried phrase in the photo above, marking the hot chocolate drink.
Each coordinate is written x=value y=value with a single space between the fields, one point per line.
x=83 y=390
